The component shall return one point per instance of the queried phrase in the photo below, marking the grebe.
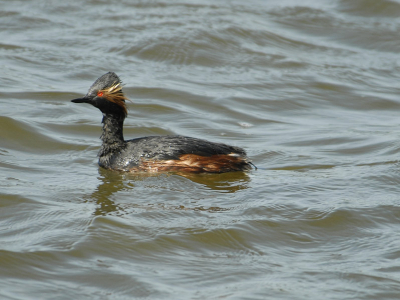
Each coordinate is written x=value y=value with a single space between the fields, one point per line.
x=153 y=153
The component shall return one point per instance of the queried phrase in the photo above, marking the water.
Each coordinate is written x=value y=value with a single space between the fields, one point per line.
x=311 y=92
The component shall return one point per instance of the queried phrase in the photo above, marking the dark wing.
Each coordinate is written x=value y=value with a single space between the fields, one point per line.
x=172 y=147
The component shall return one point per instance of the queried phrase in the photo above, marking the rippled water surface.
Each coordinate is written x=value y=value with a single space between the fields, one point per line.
x=308 y=88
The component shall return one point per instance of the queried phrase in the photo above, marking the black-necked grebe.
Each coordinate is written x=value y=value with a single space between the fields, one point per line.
x=153 y=153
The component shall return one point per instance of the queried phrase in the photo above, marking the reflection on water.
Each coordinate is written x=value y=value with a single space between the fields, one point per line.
x=224 y=183
x=112 y=182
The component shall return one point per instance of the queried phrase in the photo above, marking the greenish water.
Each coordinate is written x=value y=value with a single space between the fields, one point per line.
x=310 y=91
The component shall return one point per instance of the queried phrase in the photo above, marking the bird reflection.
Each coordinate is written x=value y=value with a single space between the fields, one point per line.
x=224 y=182
x=112 y=182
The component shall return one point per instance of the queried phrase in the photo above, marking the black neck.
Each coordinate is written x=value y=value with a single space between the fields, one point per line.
x=112 y=135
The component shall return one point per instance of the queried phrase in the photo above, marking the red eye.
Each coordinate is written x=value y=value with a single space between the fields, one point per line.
x=100 y=94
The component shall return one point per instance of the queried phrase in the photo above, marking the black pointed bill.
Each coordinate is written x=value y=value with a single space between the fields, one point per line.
x=81 y=100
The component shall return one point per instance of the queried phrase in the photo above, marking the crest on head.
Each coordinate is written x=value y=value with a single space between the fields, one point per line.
x=109 y=87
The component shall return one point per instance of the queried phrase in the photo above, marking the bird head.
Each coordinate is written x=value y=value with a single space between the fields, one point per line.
x=106 y=94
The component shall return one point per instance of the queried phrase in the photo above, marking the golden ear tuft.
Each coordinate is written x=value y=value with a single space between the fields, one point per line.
x=114 y=94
